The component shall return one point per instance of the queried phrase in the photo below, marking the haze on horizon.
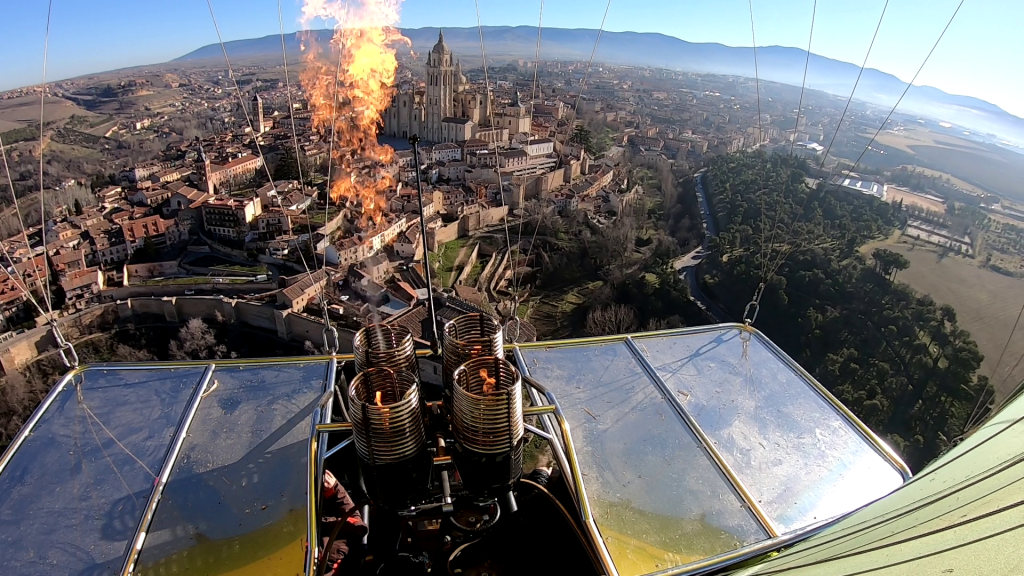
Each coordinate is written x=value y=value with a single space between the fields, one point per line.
x=971 y=60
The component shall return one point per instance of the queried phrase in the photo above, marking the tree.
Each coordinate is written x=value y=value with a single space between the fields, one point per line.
x=78 y=207
x=287 y=167
x=581 y=136
x=612 y=319
x=196 y=341
x=895 y=357
x=888 y=263
x=58 y=297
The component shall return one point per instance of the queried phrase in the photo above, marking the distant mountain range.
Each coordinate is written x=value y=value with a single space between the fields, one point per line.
x=775 y=63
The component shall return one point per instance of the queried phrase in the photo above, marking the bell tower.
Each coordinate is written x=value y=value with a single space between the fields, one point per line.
x=440 y=102
x=256 y=114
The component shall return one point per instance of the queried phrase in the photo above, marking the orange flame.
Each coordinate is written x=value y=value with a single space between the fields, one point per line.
x=348 y=97
x=489 y=383
x=376 y=399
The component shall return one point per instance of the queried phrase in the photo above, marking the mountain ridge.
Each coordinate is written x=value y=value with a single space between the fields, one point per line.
x=776 y=63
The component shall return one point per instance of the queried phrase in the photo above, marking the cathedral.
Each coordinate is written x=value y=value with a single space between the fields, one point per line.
x=448 y=109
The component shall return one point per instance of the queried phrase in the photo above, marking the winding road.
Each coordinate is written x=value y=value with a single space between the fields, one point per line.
x=686 y=265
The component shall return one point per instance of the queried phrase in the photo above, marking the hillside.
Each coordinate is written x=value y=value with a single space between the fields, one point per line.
x=776 y=63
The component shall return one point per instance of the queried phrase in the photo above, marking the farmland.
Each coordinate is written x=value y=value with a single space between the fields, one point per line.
x=894 y=194
x=24 y=111
x=980 y=166
x=986 y=304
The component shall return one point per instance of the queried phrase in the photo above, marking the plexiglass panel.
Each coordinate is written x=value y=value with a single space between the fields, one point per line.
x=72 y=496
x=797 y=455
x=656 y=497
x=236 y=500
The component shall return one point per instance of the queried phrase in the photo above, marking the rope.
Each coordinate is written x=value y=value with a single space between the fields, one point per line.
x=90 y=414
x=586 y=74
x=24 y=284
x=583 y=88
x=905 y=90
x=803 y=84
x=799 y=109
x=42 y=206
x=995 y=369
x=773 y=268
x=529 y=140
x=490 y=114
x=330 y=345
x=887 y=117
x=66 y=350
x=760 y=135
x=241 y=101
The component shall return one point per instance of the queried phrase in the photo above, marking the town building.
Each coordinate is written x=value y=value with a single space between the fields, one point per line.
x=230 y=218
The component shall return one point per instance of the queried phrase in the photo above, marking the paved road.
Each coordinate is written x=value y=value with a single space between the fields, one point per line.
x=686 y=264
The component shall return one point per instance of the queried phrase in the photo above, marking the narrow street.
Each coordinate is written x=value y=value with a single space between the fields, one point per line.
x=686 y=264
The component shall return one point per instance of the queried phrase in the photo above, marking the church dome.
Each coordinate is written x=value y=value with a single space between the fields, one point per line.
x=441 y=47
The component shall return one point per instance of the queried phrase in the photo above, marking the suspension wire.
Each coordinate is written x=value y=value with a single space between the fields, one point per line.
x=760 y=135
x=238 y=92
x=978 y=410
x=773 y=268
x=1008 y=397
x=19 y=278
x=799 y=109
x=803 y=84
x=590 y=64
x=24 y=234
x=64 y=348
x=334 y=120
x=583 y=88
x=42 y=206
x=490 y=113
x=529 y=141
x=784 y=255
x=332 y=344
x=905 y=90
x=252 y=128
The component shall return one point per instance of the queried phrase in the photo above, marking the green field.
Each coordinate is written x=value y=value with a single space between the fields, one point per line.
x=443 y=259
x=192 y=280
x=986 y=304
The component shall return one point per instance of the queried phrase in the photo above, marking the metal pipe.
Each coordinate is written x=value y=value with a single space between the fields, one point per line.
x=36 y=416
x=385 y=346
x=386 y=417
x=340 y=445
x=333 y=427
x=730 y=474
x=312 y=488
x=538 y=432
x=546 y=421
x=538 y=410
x=443 y=459
x=415 y=141
x=224 y=362
x=326 y=410
x=170 y=458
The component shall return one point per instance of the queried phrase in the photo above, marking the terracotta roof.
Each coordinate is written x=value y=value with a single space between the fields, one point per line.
x=80 y=279
x=295 y=291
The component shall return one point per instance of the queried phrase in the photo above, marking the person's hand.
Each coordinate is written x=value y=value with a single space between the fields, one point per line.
x=330 y=484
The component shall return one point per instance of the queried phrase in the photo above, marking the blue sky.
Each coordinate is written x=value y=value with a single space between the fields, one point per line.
x=980 y=55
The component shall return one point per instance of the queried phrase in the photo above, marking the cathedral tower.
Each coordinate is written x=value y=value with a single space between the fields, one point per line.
x=256 y=114
x=440 y=89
